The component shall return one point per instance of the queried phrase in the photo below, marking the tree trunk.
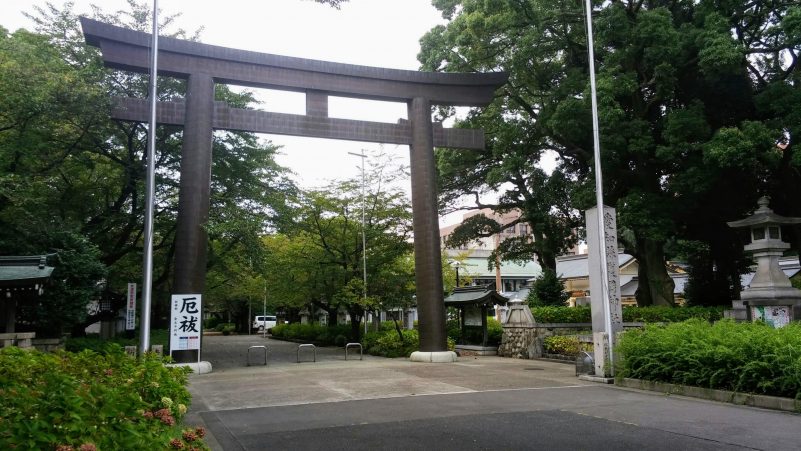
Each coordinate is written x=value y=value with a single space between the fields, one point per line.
x=655 y=285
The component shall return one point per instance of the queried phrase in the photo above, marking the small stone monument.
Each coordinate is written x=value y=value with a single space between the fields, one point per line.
x=770 y=297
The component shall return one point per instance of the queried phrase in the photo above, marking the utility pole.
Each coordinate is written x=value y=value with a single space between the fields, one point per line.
x=364 y=241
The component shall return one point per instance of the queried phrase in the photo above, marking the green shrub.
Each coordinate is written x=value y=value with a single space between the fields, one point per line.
x=387 y=343
x=474 y=335
x=670 y=314
x=742 y=357
x=340 y=340
x=225 y=328
x=323 y=335
x=109 y=400
x=93 y=342
x=211 y=323
x=549 y=314
x=561 y=344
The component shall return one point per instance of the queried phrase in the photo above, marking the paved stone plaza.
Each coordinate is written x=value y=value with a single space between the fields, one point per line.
x=476 y=403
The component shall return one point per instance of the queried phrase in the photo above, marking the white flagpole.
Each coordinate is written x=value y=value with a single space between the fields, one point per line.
x=599 y=193
x=144 y=339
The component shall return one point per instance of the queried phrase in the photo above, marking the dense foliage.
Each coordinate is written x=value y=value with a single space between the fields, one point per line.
x=110 y=401
x=93 y=342
x=473 y=334
x=632 y=314
x=547 y=289
x=564 y=345
x=335 y=335
x=741 y=357
x=72 y=179
x=320 y=250
x=698 y=115
x=386 y=342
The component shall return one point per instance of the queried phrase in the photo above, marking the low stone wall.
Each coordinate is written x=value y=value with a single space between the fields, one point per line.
x=48 y=344
x=525 y=342
x=18 y=339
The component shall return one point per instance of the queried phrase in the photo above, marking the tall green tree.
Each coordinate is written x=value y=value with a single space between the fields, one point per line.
x=318 y=259
x=688 y=133
x=66 y=165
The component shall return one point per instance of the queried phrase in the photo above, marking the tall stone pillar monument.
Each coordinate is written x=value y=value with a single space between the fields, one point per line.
x=599 y=304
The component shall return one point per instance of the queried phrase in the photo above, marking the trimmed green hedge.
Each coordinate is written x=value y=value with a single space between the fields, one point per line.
x=94 y=343
x=548 y=314
x=741 y=357
x=323 y=335
x=474 y=334
x=386 y=342
x=89 y=401
x=630 y=314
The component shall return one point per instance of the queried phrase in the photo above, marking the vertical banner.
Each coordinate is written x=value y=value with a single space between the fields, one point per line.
x=130 y=317
x=185 y=323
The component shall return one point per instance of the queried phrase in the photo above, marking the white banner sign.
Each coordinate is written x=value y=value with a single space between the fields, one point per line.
x=130 y=317
x=185 y=322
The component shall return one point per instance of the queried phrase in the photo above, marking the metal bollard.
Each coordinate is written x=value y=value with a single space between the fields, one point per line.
x=266 y=349
x=353 y=345
x=307 y=346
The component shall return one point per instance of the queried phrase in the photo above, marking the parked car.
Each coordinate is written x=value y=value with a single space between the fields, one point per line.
x=264 y=322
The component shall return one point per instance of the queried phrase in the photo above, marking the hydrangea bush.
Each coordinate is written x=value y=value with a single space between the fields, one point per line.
x=91 y=401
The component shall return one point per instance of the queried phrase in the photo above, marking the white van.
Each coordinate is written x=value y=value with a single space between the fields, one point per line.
x=262 y=322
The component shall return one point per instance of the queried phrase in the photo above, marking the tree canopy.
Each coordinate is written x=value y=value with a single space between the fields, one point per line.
x=68 y=170
x=695 y=122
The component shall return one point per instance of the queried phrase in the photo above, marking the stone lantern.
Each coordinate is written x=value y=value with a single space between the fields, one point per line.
x=770 y=296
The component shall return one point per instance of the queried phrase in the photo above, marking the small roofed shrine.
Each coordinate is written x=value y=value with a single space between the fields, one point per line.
x=22 y=279
x=474 y=304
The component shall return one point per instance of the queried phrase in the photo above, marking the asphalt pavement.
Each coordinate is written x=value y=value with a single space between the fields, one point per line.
x=475 y=403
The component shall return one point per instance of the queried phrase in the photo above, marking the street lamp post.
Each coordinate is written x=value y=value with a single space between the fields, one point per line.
x=457 y=265
x=599 y=193
x=150 y=188
x=364 y=241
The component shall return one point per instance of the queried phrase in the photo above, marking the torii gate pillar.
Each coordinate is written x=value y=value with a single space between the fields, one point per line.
x=427 y=255
x=195 y=187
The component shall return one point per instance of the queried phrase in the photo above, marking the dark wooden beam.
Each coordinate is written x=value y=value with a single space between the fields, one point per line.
x=227 y=118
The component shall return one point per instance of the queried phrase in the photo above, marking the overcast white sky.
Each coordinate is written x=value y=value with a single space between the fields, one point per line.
x=381 y=33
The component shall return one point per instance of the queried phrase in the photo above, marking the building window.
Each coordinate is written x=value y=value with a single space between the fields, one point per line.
x=523 y=229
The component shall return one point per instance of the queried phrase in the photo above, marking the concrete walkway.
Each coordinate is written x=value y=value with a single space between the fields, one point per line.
x=476 y=403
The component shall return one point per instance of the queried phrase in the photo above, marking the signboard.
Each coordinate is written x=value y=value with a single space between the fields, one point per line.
x=472 y=315
x=130 y=317
x=185 y=322
x=775 y=316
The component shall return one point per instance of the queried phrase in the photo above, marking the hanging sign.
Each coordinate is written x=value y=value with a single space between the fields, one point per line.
x=130 y=317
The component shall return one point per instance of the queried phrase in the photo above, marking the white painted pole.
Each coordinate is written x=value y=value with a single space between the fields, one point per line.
x=150 y=189
x=364 y=242
x=599 y=193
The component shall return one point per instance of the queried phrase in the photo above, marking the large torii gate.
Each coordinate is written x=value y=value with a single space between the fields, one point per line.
x=203 y=65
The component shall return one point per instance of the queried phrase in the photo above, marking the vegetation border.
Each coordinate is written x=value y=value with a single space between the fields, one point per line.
x=744 y=399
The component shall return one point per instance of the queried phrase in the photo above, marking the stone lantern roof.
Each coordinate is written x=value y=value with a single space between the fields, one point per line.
x=763 y=216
